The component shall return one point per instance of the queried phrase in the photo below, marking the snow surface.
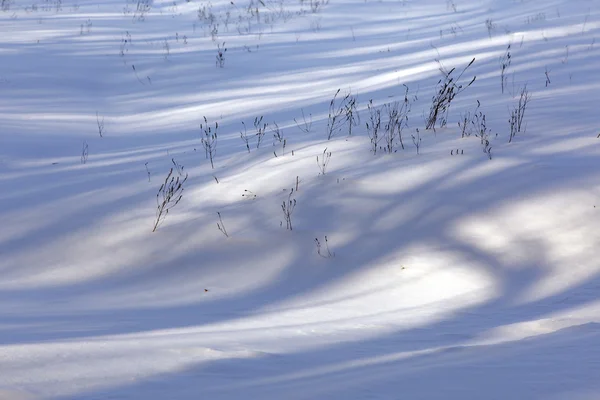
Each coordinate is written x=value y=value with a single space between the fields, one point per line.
x=454 y=276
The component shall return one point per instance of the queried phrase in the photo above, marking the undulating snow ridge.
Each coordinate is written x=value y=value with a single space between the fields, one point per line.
x=451 y=273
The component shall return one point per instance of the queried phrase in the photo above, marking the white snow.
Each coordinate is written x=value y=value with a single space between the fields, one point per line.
x=451 y=276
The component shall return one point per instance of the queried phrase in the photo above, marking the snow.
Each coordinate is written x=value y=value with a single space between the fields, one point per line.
x=452 y=276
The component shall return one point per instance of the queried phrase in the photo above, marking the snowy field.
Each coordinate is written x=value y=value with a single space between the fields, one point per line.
x=461 y=262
